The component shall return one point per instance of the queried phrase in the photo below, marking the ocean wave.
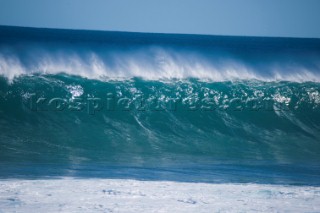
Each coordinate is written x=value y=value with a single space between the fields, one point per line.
x=76 y=98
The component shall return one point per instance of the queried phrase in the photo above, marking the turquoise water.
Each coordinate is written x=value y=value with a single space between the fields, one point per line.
x=159 y=107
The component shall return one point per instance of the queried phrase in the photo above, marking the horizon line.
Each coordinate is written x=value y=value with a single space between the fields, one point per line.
x=159 y=33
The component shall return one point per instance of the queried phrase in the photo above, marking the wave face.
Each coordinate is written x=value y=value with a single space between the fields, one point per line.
x=182 y=107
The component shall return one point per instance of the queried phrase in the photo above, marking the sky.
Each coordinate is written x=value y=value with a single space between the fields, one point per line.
x=280 y=18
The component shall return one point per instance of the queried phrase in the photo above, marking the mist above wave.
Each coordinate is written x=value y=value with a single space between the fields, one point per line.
x=152 y=63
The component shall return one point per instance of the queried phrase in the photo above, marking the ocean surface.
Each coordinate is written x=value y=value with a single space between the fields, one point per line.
x=160 y=107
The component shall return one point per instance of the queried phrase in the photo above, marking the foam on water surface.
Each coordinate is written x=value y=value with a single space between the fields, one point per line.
x=123 y=195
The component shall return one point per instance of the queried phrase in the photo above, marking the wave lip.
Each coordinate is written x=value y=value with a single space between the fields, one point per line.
x=167 y=69
x=156 y=57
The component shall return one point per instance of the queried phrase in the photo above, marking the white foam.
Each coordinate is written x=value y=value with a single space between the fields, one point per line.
x=118 y=195
x=156 y=66
x=75 y=90
x=10 y=67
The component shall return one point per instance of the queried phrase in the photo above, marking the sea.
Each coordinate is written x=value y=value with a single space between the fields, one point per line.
x=102 y=121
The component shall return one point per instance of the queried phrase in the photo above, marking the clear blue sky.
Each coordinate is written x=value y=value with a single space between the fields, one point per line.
x=291 y=18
